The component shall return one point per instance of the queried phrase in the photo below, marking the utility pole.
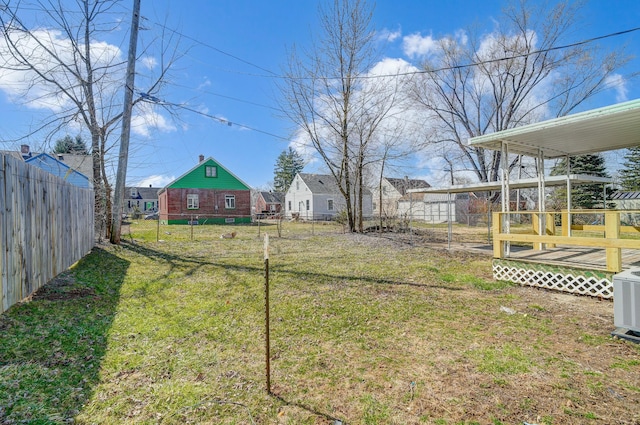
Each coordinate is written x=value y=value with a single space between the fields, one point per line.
x=126 y=126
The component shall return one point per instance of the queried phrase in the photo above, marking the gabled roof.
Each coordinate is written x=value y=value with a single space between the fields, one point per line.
x=323 y=184
x=403 y=185
x=54 y=166
x=81 y=163
x=273 y=197
x=145 y=192
x=233 y=181
x=320 y=183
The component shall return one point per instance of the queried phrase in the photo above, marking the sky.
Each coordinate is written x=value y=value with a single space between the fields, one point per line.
x=222 y=90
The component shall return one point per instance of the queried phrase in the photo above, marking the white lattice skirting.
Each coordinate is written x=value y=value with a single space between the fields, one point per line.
x=566 y=282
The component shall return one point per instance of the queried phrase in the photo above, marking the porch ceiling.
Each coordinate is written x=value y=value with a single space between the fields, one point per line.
x=609 y=128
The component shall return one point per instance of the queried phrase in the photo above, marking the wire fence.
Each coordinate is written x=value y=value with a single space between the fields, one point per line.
x=203 y=228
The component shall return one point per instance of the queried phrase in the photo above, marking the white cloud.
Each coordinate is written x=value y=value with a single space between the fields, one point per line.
x=618 y=83
x=415 y=45
x=24 y=86
x=157 y=180
x=391 y=66
x=462 y=37
x=149 y=62
x=205 y=83
x=388 y=36
x=146 y=119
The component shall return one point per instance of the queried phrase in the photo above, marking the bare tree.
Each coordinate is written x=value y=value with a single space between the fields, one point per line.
x=477 y=84
x=333 y=104
x=67 y=64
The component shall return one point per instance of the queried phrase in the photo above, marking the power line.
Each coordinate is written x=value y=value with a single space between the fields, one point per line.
x=227 y=97
x=152 y=99
x=215 y=49
x=417 y=72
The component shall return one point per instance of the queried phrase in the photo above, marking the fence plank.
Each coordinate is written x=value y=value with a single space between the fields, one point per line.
x=46 y=225
x=4 y=211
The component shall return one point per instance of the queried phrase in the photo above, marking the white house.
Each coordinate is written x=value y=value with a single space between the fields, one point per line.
x=431 y=207
x=393 y=190
x=628 y=201
x=317 y=197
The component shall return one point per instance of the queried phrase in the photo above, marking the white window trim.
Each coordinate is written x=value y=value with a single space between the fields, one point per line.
x=211 y=167
x=228 y=198
x=193 y=201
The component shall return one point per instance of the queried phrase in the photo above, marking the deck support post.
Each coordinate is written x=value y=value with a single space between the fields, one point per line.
x=565 y=222
x=535 y=223
x=498 y=245
x=548 y=227
x=612 y=231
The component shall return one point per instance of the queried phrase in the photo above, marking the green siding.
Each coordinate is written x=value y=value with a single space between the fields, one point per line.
x=217 y=220
x=195 y=179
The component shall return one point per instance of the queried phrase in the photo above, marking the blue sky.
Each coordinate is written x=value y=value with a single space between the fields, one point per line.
x=232 y=52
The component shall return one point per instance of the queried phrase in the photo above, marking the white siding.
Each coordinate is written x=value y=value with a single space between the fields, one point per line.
x=433 y=212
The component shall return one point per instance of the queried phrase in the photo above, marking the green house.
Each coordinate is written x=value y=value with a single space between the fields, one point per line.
x=206 y=194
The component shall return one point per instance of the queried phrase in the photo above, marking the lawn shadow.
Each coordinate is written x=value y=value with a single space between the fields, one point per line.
x=53 y=344
x=198 y=262
x=308 y=409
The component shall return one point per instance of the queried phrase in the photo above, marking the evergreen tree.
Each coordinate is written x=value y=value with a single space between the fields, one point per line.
x=288 y=164
x=69 y=145
x=630 y=174
x=587 y=196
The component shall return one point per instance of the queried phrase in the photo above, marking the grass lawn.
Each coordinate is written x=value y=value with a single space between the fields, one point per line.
x=364 y=329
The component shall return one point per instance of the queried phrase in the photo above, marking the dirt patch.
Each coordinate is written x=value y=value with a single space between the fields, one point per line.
x=63 y=287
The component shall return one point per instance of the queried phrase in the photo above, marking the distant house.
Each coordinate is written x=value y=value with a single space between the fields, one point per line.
x=268 y=203
x=393 y=190
x=80 y=163
x=50 y=164
x=140 y=200
x=431 y=207
x=206 y=194
x=628 y=201
x=317 y=197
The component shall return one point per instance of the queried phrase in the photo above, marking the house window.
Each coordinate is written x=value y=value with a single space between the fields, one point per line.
x=192 y=202
x=289 y=205
x=307 y=205
x=330 y=204
x=229 y=201
x=297 y=185
x=134 y=192
x=272 y=207
x=210 y=171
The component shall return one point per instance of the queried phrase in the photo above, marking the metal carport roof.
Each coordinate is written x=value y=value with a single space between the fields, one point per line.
x=515 y=184
x=603 y=129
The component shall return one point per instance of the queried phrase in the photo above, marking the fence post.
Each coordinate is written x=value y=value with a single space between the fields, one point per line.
x=267 y=343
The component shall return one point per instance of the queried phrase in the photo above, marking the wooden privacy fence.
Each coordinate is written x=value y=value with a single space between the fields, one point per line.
x=46 y=225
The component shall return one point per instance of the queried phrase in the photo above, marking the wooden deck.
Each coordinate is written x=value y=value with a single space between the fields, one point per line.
x=567 y=256
x=574 y=256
